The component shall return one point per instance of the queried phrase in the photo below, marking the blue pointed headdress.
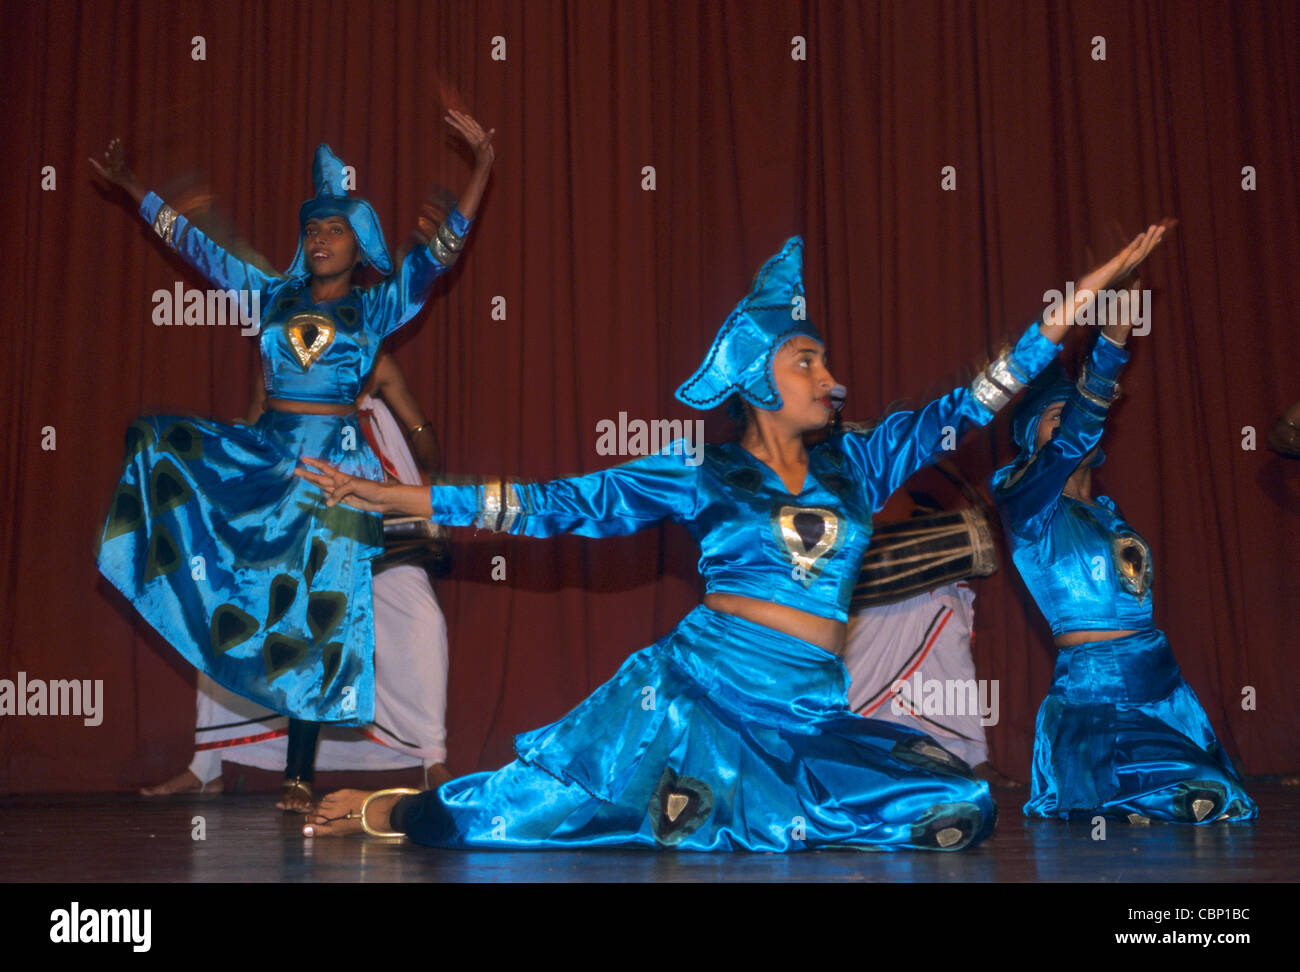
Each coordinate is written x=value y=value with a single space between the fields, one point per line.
x=332 y=199
x=740 y=360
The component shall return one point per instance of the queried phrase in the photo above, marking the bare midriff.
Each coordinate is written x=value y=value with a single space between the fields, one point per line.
x=825 y=633
x=309 y=408
x=1071 y=638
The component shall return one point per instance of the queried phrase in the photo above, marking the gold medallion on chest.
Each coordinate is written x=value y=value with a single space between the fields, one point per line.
x=1132 y=559
x=810 y=536
x=309 y=335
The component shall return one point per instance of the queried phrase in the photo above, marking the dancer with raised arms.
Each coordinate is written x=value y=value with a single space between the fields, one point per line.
x=749 y=743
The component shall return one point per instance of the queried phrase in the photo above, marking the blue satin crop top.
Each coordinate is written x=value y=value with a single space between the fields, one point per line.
x=756 y=538
x=1086 y=568
x=310 y=352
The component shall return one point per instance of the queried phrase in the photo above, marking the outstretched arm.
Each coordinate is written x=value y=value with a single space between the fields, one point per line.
x=391 y=304
x=1118 y=268
x=905 y=442
x=612 y=502
x=480 y=143
x=113 y=169
x=1027 y=493
x=365 y=494
x=222 y=269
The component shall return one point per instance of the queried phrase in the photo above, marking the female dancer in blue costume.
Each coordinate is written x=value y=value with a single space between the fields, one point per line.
x=220 y=547
x=733 y=731
x=1120 y=733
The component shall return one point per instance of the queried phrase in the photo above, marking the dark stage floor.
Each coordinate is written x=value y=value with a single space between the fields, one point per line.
x=119 y=838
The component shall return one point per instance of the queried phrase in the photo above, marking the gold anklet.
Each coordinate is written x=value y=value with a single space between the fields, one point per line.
x=403 y=790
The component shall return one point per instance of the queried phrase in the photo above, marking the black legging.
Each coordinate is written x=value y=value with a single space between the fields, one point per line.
x=301 y=761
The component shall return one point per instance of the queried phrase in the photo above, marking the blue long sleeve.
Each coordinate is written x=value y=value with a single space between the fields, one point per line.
x=222 y=269
x=385 y=307
x=400 y=296
x=905 y=442
x=612 y=502
x=1028 y=492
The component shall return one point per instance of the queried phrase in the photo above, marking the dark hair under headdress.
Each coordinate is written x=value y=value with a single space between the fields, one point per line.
x=332 y=199
x=1052 y=385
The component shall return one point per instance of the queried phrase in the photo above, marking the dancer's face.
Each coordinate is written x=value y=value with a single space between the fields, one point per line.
x=805 y=383
x=330 y=246
x=1048 y=424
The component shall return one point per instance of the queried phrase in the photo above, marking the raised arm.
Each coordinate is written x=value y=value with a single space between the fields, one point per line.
x=480 y=143
x=905 y=442
x=612 y=502
x=1027 y=493
x=609 y=503
x=390 y=304
x=1122 y=266
x=223 y=270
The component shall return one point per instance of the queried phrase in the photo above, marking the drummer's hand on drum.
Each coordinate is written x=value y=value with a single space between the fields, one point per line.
x=366 y=494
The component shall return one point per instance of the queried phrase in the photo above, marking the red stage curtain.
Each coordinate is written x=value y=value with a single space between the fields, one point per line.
x=614 y=292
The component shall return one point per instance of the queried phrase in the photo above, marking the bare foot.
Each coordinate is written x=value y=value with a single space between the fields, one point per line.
x=295 y=797
x=436 y=775
x=185 y=782
x=986 y=772
x=339 y=813
x=1291 y=781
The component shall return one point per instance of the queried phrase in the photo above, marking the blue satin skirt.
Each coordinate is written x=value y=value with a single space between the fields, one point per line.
x=239 y=564
x=725 y=735
x=1120 y=732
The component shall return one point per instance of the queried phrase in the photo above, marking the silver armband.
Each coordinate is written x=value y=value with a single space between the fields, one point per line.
x=501 y=507
x=446 y=245
x=1103 y=397
x=996 y=384
x=164 y=224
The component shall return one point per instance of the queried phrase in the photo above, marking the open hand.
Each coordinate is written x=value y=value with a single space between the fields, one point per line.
x=1128 y=259
x=113 y=168
x=479 y=141
x=363 y=494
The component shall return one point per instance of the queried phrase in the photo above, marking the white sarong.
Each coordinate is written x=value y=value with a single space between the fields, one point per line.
x=901 y=656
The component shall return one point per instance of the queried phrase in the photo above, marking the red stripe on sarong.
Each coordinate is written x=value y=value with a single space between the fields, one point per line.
x=241 y=740
x=903 y=678
x=369 y=433
x=373 y=738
